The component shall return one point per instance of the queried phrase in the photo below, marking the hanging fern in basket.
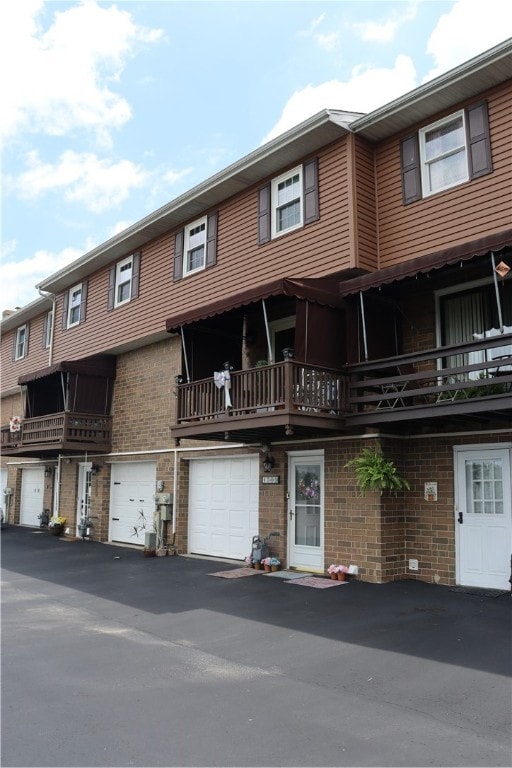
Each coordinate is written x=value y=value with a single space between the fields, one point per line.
x=375 y=473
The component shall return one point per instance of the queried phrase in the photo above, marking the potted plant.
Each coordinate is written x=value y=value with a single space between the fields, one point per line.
x=374 y=472
x=266 y=563
x=274 y=564
x=56 y=525
x=248 y=561
x=337 y=571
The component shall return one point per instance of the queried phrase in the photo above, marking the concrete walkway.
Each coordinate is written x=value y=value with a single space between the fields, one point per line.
x=113 y=659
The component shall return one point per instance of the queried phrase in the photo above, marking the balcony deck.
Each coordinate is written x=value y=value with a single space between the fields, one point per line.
x=269 y=402
x=450 y=385
x=462 y=383
x=59 y=433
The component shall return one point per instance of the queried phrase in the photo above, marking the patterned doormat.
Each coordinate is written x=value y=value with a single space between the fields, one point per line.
x=317 y=582
x=237 y=573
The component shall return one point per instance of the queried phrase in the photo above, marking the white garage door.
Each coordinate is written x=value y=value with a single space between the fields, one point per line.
x=223 y=506
x=32 y=492
x=132 y=487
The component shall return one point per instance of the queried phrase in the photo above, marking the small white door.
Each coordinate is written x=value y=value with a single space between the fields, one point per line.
x=306 y=511
x=132 y=506
x=83 y=508
x=32 y=494
x=483 y=518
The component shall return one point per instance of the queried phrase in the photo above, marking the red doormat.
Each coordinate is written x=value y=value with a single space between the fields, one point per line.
x=237 y=573
x=316 y=582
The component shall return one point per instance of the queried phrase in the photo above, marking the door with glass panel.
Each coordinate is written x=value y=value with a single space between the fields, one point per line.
x=483 y=517
x=306 y=511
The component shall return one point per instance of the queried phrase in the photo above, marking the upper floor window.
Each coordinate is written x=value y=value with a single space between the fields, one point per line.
x=446 y=153
x=194 y=256
x=288 y=202
x=21 y=342
x=195 y=246
x=73 y=311
x=124 y=281
x=74 y=304
x=48 y=329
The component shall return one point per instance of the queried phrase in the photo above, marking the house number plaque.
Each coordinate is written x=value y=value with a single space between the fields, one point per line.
x=270 y=479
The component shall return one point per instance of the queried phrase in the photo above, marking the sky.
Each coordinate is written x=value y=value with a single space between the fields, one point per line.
x=109 y=110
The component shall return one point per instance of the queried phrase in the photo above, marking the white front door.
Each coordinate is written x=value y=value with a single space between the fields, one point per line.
x=306 y=511
x=483 y=517
x=132 y=506
x=32 y=493
x=84 y=492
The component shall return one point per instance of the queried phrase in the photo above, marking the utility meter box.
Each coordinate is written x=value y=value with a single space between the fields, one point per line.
x=163 y=503
x=162 y=498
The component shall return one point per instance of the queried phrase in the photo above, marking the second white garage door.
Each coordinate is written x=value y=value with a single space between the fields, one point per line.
x=132 y=505
x=223 y=506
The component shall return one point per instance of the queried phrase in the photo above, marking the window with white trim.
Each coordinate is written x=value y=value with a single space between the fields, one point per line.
x=194 y=254
x=443 y=153
x=21 y=343
x=74 y=305
x=48 y=329
x=287 y=202
x=124 y=276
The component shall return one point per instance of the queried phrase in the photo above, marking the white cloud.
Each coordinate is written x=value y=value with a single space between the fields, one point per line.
x=81 y=177
x=467 y=30
x=384 y=31
x=63 y=77
x=18 y=278
x=365 y=91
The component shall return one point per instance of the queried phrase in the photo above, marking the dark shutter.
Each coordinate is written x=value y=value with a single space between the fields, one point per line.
x=83 y=302
x=135 y=274
x=479 y=142
x=65 y=304
x=410 y=167
x=27 y=334
x=310 y=182
x=111 y=286
x=211 y=240
x=264 y=214
x=178 y=254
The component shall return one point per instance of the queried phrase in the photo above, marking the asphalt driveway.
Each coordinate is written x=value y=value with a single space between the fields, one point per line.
x=113 y=659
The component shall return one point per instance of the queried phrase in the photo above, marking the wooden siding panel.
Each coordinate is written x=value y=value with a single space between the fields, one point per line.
x=37 y=356
x=366 y=214
x=466 y=212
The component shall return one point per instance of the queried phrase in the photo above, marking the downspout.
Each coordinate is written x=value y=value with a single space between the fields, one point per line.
x=185 y=353
x=267 y=331
x=363 y=322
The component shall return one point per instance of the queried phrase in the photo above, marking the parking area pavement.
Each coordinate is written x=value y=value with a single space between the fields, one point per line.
x=110 y=658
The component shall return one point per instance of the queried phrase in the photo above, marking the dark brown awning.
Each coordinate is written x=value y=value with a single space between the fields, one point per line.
x=101 y=365
x=321 y=290
x=428 y=262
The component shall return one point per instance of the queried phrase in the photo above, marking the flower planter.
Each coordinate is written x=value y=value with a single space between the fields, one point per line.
x=56 y=530
x=267 y=568
x=274 y=567
x=257 y=565
x=341 y=576
x=334 y=576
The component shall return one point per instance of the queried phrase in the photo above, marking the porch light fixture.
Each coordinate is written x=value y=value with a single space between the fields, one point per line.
x=48 y=471
x=95 y=468
x=288 y=353
x=179 y=379
x=268 y=463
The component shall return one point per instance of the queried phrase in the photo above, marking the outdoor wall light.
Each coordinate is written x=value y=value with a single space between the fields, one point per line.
x=179 y=379
x=268 y=463
x=48 y=471
x=95 y=468
x=288 y=353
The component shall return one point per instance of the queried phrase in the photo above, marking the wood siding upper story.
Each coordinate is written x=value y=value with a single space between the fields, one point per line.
x=463 y=213
x=37 y=354
x=318 y=249
x=366 y=206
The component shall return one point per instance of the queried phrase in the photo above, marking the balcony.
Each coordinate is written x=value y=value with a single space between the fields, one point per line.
x=59 y=433
x=265 y=404
x=465 y=383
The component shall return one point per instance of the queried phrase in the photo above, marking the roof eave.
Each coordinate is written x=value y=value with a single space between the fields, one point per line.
x=288 y=148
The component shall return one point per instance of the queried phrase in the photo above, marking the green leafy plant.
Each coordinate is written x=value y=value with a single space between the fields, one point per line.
x=375 y=473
